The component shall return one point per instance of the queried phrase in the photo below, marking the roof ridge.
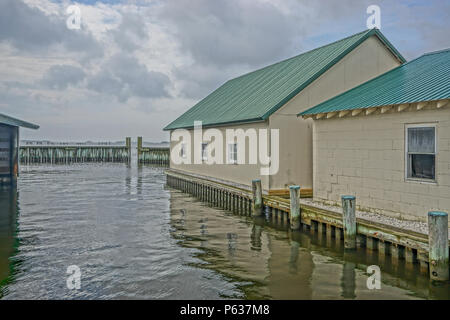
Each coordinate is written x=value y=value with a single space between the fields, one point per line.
x=435 y=52
x=303 y=53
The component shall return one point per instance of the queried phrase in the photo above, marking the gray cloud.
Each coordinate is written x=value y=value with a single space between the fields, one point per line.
x=131 y=32
x=209 y=42
x=61 y=76
x=123 y=76
x=231 y=32
x=29 y=29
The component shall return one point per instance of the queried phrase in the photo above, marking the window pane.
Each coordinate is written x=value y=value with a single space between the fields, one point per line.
x=421 y=140
x=204 y=146
x=421 y=166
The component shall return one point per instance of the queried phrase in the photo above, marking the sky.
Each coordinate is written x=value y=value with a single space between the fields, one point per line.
x=134 y=66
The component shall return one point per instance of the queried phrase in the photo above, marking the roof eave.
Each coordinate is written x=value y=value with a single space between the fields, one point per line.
x=219 y=124
x=17 y=122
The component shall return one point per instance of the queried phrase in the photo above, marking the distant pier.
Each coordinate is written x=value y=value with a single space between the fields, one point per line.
x=64 y=153
x=47 y=152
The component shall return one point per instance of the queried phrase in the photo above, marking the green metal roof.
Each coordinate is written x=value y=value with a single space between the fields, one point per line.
x=426 y=78
x=256 y=95
x=4 y=119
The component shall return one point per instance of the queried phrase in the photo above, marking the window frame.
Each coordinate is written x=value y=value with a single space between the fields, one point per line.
x=183 y=150
x=421 y=125
x=204 y=151
x=234 y=152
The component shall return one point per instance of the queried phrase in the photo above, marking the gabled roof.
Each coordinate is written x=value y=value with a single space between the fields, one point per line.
x=4 y=119
x=256 y=95
x=426 y=78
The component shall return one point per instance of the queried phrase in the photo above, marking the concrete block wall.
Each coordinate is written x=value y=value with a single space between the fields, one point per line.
x=365 y=156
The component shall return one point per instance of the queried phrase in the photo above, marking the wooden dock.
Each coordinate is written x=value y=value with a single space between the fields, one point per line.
x=388 y=242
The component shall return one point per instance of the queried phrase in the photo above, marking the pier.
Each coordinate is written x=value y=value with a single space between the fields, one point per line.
x=152 y=155
x=386 y=241
x=64 y=153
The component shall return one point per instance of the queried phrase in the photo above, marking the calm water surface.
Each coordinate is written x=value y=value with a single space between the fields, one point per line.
x=134 y=238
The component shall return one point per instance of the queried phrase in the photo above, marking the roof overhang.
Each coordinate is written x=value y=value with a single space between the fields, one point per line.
x=407 y=106
x=223 y=124
x=4 y=119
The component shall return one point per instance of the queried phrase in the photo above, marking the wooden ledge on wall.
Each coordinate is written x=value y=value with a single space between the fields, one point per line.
x=304 y=192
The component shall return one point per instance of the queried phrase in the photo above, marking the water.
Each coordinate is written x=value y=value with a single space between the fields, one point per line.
x=134 y=238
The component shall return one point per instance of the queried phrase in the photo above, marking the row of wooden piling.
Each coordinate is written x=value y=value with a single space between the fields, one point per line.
x=435 y=261
x=219 y=196
x=438 y=252
x=157 y=156
x=66 y=154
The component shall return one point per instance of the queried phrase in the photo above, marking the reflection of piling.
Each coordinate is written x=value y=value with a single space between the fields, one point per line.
x=348 y=280
x=438 y=242
x=349 y=221
x=257 y=198
x=295 y=207
x=256 y=237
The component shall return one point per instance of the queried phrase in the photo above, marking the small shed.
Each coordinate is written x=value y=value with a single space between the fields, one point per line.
x=387 y=141
x=9 y=147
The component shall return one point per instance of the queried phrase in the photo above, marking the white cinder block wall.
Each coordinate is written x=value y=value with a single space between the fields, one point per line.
x=365 y=156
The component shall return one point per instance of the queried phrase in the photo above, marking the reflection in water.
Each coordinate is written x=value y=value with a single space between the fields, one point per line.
x=133 y=237
x=267 y=260
x=8 y=240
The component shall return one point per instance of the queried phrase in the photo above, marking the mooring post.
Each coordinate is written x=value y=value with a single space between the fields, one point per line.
x=349 y=221
x=128 y=144
x=438 y=242
x=294 y=192
x=257 y=198
x=139 y=148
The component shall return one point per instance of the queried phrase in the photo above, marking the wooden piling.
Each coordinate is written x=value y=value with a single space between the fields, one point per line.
x=257 y=198
x=438 y=245
x=295 y=207
x=349 y=221
x=128 y=145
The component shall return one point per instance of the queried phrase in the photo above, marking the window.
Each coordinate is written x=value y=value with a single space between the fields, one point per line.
x=421 y=152
x=232 y=153
x=183 y=150
x=204 y=149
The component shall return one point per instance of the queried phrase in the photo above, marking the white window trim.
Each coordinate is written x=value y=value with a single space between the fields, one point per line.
x=229 y=159
x=183 y=150
x=204 y=155
x=422 y=125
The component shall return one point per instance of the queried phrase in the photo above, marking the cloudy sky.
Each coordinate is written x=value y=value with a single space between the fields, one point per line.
x=133 y=66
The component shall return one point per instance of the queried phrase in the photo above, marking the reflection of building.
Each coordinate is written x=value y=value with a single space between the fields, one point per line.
x=9 y=147
x=8 y=218
x=270 y=98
